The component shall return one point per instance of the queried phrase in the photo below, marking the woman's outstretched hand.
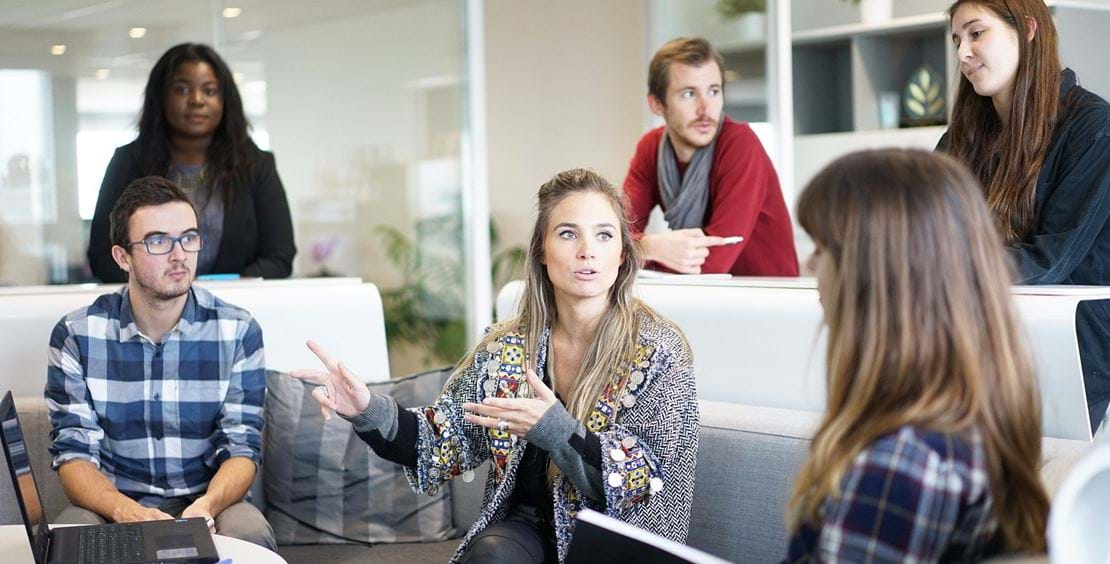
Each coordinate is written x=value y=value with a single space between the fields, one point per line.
x=338 y=389
x=518 y=415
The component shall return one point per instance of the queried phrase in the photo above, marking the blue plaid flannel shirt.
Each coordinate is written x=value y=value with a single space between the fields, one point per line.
x=911 y=496
x=158 y=420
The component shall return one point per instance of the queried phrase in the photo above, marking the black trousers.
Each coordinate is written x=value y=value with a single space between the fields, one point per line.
x=522 y=537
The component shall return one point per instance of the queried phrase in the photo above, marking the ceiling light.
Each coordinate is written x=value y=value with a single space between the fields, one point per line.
x=232 y=12
x=102 y=74
x=58 y=49
x=136 y=32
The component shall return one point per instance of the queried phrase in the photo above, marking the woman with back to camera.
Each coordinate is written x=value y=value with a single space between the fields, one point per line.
x=1040 y=145
x=929 y=446
x=193 y=131
x=584 y=399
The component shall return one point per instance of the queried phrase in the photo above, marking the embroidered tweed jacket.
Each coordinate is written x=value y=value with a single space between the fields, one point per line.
x=647 y=423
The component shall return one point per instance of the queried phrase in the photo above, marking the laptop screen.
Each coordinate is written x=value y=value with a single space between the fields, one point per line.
x=23 y=480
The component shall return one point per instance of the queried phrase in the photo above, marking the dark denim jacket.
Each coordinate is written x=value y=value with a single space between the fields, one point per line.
x=1070 y=243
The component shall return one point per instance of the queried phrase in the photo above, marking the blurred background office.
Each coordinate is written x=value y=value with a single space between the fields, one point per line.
x=411 y=135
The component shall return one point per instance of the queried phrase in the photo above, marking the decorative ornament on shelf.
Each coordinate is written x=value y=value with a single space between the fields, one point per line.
x=923 y=98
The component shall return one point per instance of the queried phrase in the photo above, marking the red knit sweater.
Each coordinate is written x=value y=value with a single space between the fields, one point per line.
x=744 y=199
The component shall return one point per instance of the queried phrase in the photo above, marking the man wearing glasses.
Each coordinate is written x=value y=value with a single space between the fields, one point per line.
x=155 y=391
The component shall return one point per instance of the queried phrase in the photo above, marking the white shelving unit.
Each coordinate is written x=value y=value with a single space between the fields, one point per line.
x=840 y=69
x=838 y=66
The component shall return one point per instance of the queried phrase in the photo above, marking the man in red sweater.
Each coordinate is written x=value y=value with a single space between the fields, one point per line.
x=709 y=174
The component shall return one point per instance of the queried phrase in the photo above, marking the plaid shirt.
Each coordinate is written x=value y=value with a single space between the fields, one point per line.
x=911 y=496
x=158 y=420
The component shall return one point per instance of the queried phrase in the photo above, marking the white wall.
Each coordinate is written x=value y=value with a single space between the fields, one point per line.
x=566 y=85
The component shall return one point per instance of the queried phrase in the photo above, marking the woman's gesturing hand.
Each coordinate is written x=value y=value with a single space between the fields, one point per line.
x=515 y=415
x=338 y=389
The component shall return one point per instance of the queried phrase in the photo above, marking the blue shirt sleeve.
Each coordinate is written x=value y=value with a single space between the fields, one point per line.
x=75 y=428
x=240 y=425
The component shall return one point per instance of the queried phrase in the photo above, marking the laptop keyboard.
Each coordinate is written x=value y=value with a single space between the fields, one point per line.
x=120 y=542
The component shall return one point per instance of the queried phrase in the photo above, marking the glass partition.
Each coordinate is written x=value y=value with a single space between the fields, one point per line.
x=362 y=103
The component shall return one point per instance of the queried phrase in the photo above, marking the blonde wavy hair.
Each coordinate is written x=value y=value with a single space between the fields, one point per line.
x=617 y=331
x=921 y=329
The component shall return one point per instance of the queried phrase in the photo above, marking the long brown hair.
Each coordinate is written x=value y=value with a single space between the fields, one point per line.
x=617 y=331
x=921 y=328
x=1007 y=159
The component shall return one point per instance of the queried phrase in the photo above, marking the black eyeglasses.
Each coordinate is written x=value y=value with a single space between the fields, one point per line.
x=163 y=244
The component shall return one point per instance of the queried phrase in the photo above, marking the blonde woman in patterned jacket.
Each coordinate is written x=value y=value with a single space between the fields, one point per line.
x=584 y=399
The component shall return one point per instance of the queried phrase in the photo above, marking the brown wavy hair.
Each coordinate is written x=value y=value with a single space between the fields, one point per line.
x=1007 y=159
x=921 y=329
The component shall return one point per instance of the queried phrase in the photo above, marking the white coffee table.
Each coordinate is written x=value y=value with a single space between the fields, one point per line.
x=243 y=552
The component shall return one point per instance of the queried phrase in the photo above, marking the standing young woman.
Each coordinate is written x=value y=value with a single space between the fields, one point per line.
x=1040 y=145
x=585 y=399
x=929 y=446
x=193 y=131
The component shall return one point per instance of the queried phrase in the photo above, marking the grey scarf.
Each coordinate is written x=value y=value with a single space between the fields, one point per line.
x=685 y=197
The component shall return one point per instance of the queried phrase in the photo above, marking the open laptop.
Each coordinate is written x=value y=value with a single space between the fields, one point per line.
x=177 y=540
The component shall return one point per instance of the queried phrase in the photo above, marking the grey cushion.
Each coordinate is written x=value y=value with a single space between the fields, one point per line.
x=324 y=485
x=35 y=420
x=747 y=461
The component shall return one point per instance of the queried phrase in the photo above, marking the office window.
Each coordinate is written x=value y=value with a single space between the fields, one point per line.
x=362 y=104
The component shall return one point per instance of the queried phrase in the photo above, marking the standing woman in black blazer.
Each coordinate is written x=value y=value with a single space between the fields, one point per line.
x=193 y=131
x=1040 y=145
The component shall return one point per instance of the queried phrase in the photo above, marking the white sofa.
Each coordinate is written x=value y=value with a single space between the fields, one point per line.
x=345 y=314
x=757 y=341
x=749 y=453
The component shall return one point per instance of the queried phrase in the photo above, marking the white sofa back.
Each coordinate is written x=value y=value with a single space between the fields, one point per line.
x=758 y=341
x=342 y=314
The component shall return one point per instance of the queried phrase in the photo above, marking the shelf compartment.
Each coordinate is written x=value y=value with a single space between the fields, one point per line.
x=886 y=62
x=823 y=87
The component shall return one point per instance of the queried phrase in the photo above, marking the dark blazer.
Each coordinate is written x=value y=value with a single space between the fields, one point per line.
x=258 y=231
x=1070 y=242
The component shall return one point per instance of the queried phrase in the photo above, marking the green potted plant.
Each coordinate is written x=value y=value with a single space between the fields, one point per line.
x=747 y=17
x=427 y=311
x=732 y=9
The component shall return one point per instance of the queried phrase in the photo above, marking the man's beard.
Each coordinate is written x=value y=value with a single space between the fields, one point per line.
x=683 y=134
x=715 y=124
x=154 y=292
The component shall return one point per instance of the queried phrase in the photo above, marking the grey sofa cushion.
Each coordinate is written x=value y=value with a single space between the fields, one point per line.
x=324 y=485
x=35 y=420
x=747 y=461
